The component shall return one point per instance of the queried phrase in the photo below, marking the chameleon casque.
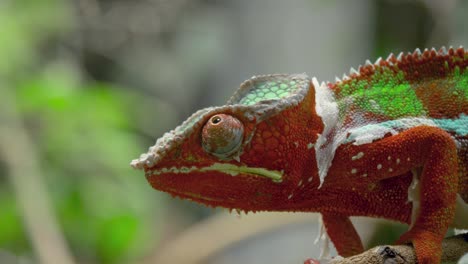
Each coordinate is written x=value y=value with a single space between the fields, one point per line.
x=389 y=140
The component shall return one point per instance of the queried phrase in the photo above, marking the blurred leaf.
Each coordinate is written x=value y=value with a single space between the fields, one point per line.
x=116 y=234
x=12 y=235
x=83 y=134
x=52 y=89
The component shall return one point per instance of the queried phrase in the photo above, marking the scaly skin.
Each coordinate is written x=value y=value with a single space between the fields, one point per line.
x=390 y=140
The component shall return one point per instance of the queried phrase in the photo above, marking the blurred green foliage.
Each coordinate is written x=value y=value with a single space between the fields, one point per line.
x=84 y=136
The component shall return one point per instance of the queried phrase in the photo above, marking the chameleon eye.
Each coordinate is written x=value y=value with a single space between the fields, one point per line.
x=222 y=135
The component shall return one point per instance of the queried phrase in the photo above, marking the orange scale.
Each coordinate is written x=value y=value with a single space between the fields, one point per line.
x=282 y=139
x=271 y=143
x=258 y=148
x=266 y=134
x=271 y=155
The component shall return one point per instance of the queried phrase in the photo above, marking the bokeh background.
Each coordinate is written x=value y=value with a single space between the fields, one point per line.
x=88 y=85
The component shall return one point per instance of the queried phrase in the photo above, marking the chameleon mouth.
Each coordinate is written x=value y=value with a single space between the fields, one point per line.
x=233 y=170
x=194 y=196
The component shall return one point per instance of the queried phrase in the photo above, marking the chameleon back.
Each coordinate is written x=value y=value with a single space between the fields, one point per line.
x=428 y=88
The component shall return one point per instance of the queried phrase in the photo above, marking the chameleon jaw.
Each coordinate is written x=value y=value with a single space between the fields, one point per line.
x=233 y=170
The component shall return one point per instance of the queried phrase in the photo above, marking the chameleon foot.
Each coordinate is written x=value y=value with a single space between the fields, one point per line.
x=427 y=245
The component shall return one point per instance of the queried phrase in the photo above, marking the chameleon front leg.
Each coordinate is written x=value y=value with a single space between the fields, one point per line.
x=343 y=234
x=429 y=148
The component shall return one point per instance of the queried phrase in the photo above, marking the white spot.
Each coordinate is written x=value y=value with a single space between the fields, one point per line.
x=379 y=166
x=397 y=161
x=353 y=171
x=389 y=158
x=310 y=179
x=358 y=156
x=300 y=183
x=290 y=196
x=390 y=169
x=296 y=144
x=408 y=159
x=364 y=175
x=310 y=145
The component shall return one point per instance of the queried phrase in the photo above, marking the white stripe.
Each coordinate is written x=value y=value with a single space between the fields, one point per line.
x=327 y=109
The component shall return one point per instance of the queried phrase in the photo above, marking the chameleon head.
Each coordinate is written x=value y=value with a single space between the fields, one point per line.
x=250 y=154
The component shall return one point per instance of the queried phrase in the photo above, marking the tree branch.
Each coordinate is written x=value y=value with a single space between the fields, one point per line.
x=453 y=248
x=25 y=176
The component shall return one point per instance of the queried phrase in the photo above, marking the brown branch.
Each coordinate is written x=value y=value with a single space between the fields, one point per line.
x=25 y=176
x=453 y=248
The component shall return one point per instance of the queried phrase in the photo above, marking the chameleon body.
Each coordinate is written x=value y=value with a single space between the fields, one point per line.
x=390 y=140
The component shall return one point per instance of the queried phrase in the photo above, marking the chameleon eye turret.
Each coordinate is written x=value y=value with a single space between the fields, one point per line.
x=222 y=135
